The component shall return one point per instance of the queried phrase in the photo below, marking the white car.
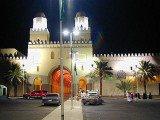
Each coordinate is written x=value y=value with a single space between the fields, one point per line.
x=92 y=98
x=91 y=93
x=52 y=98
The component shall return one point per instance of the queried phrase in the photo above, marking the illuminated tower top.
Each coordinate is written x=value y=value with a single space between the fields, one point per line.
x=81 y=24
x=39 y=31
x=40 y=22
x=81 y=21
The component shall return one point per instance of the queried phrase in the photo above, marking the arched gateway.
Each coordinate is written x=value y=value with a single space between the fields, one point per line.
x=37 y=83
x=56 y=82
x=83 y=84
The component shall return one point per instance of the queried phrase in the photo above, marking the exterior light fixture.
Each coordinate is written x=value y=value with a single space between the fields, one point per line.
x=65 y=32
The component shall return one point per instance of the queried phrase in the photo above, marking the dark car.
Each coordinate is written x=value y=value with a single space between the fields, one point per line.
x=35 y=94
x=52 y=98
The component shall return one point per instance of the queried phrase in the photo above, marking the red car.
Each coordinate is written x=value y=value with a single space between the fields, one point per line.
x=35 y=94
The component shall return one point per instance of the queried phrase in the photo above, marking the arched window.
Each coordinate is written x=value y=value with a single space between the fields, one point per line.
x=52 y=55
x=121 y=75
x=67 y=55
x=37 y=68
x=37 y=83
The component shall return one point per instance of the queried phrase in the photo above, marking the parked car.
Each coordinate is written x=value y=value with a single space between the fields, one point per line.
x=52 y=98
x=92 y=98
x=35 y=94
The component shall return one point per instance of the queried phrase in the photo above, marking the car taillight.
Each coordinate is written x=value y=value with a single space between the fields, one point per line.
x=44 y=100
x=54 y=99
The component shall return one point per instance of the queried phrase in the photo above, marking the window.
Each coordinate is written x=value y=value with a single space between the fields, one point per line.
x=37 y=91
x=52 y=95
x=52 y=55
x=37 y=68
x=67 y=55
x=45 y=92
x=121 y=74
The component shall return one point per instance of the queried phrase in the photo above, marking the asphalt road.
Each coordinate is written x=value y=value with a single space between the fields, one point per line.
x=20 y=109
x=120 y=109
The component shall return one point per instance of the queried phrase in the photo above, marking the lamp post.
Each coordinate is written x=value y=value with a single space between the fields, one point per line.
x=61 y=2
x=66 y=32
x=23 y=77
x=75 y=69
x=136 y=70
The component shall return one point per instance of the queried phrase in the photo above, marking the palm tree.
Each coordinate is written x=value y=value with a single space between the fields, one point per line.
x=15 y=76
x=124 y=86
x=102 y=70
x=146 y=72
x=5 y=66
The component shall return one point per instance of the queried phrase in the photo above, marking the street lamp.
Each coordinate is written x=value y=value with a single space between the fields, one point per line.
x=136 y=69
x=136 y=75
x=75 y=70
x=23 y=77
x=66 y=32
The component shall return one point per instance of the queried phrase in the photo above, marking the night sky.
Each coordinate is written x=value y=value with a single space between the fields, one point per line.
x=118 y=26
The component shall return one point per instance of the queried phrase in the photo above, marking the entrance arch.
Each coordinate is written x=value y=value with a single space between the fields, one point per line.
x=83 y=83
x=37 y=83
x=56 y=82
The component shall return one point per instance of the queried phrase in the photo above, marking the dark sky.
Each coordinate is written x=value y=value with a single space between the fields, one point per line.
x=118 y=26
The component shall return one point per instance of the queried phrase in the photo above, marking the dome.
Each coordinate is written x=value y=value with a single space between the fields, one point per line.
x=40 y=14
x=81 y=14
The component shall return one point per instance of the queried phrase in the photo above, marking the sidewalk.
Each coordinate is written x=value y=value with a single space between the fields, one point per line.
x=70 y=113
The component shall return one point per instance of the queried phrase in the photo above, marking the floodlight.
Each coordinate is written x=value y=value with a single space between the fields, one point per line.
x=66 y=32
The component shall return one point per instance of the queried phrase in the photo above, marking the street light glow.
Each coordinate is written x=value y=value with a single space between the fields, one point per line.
x=65 y=32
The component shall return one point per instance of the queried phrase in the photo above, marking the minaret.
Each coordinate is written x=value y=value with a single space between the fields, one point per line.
x=81 y=24
x=39 y=31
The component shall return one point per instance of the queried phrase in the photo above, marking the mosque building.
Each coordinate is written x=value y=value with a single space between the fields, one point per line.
x=42 y=62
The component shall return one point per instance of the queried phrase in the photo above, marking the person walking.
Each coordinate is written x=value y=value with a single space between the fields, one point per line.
x=128 y=96
x=131 y=95
x=136 y=97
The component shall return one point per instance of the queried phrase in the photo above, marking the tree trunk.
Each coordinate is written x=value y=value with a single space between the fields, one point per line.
x=124 y=94
x=15 y=91
x=8 y=90
x=100 y=75
x=145 y=86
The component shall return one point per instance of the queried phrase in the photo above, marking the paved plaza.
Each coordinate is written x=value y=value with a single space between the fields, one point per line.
x=120 y=109
x=111 y=109
x=20 y=109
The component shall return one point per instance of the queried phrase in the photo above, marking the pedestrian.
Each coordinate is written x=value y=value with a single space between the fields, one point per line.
x=128 y=96
x=136 y=97
x=84 y=94
x=131 y=95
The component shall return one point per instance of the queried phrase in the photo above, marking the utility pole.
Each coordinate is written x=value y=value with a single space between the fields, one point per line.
x=61 y=60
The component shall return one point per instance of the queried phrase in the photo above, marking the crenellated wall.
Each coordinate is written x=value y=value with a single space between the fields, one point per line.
x=122 y=68
x=126 y=55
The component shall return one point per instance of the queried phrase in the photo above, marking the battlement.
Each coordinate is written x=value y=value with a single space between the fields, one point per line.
x=58 y=42
x=38 y=30
x=13 y=57
x=126 y=55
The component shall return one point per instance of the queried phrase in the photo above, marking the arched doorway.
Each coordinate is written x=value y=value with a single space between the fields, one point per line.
x=37 y=83
x=83 y=83
x=56 y=82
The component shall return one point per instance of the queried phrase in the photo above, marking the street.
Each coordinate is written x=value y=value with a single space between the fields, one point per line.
x=20 y=109
x=120 y=109
x=111 y=109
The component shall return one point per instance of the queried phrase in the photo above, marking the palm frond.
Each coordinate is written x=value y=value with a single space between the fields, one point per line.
x=124 y=85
